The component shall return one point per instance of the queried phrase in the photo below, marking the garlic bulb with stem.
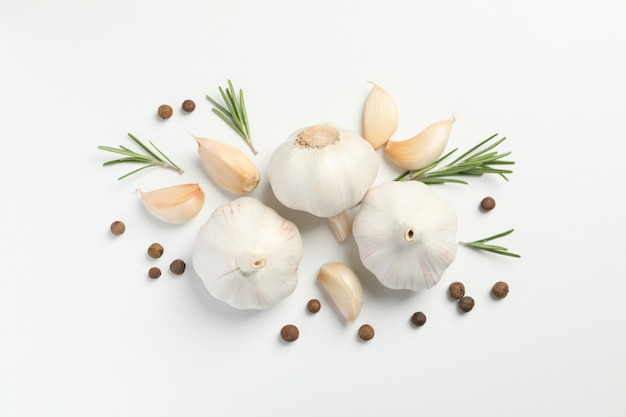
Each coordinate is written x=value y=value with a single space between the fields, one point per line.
x=175 y=204
x=422 y=149
x=343 y=287
x=247 y=255
x=405 y=234
x=229 y=167
x=323 y=170
x=380 y=117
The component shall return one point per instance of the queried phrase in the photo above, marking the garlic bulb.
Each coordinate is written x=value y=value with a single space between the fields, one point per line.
x=323 y=170
x=247 y=255
x=176 y=204
x=380 y=117
x=423 y=149
x=405 y=234
x=343 y=287
x=229 y=167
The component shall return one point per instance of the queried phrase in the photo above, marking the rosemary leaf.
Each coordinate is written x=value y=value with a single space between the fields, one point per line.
x=477 y=161
x=482 y=244
x=234 y=112
x=149 y=159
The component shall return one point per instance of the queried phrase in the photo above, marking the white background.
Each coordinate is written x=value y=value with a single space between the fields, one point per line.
x=84 y=332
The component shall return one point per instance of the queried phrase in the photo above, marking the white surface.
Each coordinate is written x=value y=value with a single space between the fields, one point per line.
x=84 y=332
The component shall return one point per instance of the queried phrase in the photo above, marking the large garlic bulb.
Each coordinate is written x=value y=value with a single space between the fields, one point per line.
x=406 y=234
x=323 y=170
x=247 y=255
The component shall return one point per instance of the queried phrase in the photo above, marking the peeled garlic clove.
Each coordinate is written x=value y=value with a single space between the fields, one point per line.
x=343 y=287
x=176 y=204
x=380 y=117
x=247 y=255
x=405 y=234
x=423 y=149
x=229 y=167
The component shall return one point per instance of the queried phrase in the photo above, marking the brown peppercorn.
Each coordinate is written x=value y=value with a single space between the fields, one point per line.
x=418 y=319
x=189 y=106
x=118 y=227
x=500 y=289
x=456 y=290
x=466 y=304
x=178 y=267
x=488 y=204
x=154 y=272
x=366 y=332
x=289 y=333
x=165 y=111
x=155 y=250
x=313 y=305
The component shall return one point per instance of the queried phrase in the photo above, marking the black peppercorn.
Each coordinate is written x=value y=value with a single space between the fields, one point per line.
x=155 y=250
x=418 y=319
x=456 y=290
x=165 y=111
x=466 y=304
x=289 y=333
x=500 y=289
x=154 y=272
x=313 y=305
x=189 y=106
x=178 y=267
x=366 y=332
x=488 y=204
x=118 y=227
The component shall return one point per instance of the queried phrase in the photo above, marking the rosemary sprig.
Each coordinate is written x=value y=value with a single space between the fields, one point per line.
x=149 y=159
x=482 y=245
x=234 y=114
x=479 y=160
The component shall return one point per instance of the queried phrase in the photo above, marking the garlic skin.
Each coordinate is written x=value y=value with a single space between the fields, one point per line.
x=343 y=287
x=422 y=149
x=405 y=234
x=247 y=255
x=323 y=170
x=176 y=204
x=380 y=117
x=229 y=167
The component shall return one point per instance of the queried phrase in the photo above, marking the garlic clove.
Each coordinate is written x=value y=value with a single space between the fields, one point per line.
x=229 y=167
x=380 y=117
x=247 y=255
x=343 y=287
x=175 y=204
x=423 y=149
x=405 y=234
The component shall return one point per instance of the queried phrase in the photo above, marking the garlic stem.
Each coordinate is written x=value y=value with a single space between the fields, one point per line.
x=340 y=225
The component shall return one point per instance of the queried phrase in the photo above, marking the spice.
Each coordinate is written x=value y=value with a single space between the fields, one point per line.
x=456 y=290
x=154 y=272
x=418 y=319
x=165 y=111
x=488 y=204
x=177 y=266
x=289 y=333
x=313 y=305
x=147 y=157
x=466 y=304
x=500 y=289
x=366 y=332
x=155 y=250
x=118 y=227
x=189 y=106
